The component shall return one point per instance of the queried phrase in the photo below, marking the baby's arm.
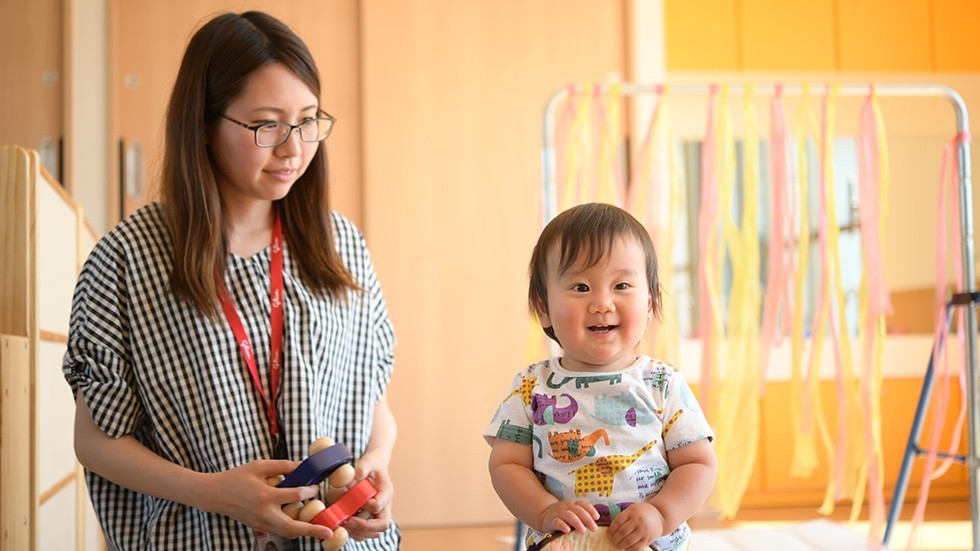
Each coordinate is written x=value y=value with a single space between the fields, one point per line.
x=522 y=493
x=692 y=476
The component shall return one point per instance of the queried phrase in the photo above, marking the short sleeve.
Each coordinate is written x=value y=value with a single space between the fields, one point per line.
x=97 y=361
x=384 y=335
x=353 y=248
x=512 y=421
x=684 y=420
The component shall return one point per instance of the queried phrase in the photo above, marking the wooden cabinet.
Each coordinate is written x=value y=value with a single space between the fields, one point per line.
x=776 y=487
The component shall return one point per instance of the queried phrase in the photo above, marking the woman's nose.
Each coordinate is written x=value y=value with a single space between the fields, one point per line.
x=292 y=146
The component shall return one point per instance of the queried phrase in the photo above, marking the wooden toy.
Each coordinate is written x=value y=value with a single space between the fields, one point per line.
x=327 y=461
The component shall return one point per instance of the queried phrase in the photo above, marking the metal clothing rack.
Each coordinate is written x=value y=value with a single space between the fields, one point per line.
x=972 y=459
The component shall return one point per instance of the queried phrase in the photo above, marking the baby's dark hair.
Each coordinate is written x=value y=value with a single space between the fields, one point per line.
x=586 y=231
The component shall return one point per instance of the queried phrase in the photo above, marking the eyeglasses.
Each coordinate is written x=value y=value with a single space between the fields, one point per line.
x=274 y=134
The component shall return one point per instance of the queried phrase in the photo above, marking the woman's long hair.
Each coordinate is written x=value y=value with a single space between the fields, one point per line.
x=219 y=60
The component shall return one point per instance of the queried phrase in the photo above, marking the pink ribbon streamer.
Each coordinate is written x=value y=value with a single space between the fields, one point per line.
x=940 y=405
x=781 y=240
x=879 y=300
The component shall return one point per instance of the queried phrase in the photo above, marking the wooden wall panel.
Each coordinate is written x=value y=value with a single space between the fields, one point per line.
x=31 y=64
x=453 y=98
x=794 y=36
x=702 y=35
x=956 y=41
x=885 y=35
x=822 y=35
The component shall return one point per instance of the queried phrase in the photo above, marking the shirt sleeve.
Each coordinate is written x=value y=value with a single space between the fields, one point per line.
x=97 y=361
x=512 y=421
x=684 y=420
x=381 y=326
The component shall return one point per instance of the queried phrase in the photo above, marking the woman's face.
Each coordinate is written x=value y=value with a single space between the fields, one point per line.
x=245 y=172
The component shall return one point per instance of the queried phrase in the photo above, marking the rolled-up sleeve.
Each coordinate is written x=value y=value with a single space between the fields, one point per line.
x=97 y=362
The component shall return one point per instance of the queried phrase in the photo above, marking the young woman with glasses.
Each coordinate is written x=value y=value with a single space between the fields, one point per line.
x=217 y=332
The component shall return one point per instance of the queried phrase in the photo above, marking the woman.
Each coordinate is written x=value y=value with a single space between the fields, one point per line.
x=217 y=333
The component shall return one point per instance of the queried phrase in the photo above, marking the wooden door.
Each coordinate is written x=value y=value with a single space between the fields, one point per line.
x=31 y=88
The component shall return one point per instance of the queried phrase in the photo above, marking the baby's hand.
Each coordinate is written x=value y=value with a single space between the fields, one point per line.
x=637 y=527
x=566 y=516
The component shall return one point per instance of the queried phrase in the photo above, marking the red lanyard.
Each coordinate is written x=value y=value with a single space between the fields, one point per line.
x=275 y=299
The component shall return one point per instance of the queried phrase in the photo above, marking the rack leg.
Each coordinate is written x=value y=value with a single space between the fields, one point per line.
x=911 y=451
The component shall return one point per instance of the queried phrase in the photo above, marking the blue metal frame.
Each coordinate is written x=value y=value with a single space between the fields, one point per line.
x=912 y=449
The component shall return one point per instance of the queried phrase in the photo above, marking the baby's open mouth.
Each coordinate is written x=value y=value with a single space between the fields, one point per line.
x=602 y=328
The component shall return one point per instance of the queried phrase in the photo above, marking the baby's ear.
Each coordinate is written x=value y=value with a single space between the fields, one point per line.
x=541 y=310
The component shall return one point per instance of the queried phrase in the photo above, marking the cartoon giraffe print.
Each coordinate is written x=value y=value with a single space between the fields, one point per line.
x=525 y=391
x=597 y=477
x=670 y=423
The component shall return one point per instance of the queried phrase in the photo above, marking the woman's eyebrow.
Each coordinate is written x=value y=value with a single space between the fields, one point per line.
x=280 y=110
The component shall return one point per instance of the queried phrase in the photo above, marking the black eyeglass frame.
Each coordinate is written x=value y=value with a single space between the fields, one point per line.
x=256 y=127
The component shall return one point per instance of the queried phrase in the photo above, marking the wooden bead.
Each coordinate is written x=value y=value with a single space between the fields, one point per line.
x=342 y=476
x=292 y=509
x=312 y=508
x=321 y=444
x=339 y=539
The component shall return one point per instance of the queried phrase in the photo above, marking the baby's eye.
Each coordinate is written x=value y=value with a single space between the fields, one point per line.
x=622 y=286
x=580 y=288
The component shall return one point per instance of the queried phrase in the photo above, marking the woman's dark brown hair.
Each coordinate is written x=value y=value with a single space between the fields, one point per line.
x=586 y=232
x=220 y=58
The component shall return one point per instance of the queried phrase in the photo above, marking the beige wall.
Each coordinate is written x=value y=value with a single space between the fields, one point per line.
x=453 y=97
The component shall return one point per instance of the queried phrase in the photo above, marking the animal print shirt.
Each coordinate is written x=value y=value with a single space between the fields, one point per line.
x=602 y=437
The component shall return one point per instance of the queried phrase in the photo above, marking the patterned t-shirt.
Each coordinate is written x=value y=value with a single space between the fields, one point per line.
x=153 y=367
x=602 y=437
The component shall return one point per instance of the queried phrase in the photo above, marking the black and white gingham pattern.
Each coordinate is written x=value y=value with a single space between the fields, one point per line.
x=151 y=366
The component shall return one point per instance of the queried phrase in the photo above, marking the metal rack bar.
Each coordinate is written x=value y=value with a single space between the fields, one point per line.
x=549 y=210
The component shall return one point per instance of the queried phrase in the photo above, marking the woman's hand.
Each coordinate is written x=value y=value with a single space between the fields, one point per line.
x=565 y=516
x=637 y=527
x=373 y=467
x=243 y=494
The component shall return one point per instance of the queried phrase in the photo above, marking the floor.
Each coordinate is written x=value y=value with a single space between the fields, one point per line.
x=947 y=528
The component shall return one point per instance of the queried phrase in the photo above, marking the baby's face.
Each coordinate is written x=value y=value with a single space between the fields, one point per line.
x=600 y=312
